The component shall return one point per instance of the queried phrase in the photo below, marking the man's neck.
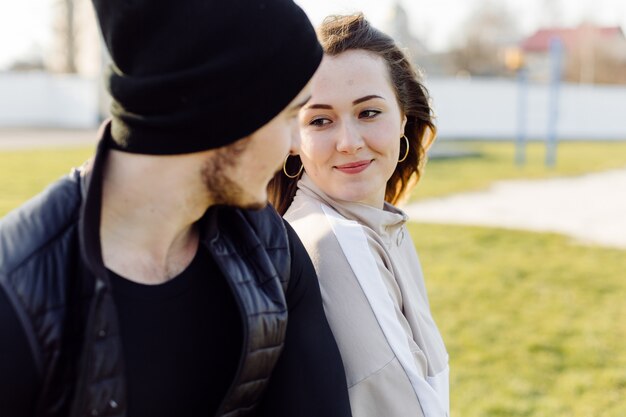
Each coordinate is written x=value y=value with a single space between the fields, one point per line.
x=150 y=207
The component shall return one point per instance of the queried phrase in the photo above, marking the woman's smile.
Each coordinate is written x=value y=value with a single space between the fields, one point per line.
x=354 y=167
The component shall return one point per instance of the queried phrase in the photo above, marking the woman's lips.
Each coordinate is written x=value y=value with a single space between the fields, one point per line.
x=354 y=167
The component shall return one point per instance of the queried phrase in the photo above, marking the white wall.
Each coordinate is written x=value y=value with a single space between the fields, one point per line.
x=488 y=108
x=466 y=108
x=48 y=100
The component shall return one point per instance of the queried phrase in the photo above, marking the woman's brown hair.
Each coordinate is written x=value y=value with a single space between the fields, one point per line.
x=338 y=34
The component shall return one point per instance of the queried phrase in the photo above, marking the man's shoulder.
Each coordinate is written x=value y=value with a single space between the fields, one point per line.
x=271 y=231
x=249 y=234
x=39 y=223
x=267 y=225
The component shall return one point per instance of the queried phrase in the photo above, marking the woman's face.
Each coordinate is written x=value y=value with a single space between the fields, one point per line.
x=351 y=128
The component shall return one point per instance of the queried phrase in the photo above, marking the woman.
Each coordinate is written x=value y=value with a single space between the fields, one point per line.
x=364 y=133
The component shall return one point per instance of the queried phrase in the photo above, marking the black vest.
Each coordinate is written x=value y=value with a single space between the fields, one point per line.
x=52 y=271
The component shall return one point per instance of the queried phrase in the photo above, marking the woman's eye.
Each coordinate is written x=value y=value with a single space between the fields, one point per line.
x=368 y=114
x=319 y=122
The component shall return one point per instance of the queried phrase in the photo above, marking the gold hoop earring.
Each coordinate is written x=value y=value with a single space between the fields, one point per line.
x=285 y=169
x=407 y=149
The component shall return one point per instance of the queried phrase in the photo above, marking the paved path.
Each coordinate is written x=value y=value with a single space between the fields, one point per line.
x=32 y=138
x=590 y=208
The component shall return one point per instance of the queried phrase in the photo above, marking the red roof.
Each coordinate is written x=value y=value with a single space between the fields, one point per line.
x=540 y=40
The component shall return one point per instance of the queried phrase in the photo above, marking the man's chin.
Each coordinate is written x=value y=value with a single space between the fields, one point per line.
x=249 y=202
x=255 y=202
x=257 y=205
x=224 y=191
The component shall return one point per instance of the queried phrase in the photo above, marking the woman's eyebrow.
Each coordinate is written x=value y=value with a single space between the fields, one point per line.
x=362 y=99
x=357 y=101
x=319 y=106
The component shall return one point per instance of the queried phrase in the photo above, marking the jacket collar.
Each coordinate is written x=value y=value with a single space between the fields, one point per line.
x=385 y=222
x=92 y=177
x=91 y=208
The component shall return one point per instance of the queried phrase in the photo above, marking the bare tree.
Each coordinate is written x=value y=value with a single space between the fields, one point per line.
x=65 y=34
x=70 y=38
x=488 y=30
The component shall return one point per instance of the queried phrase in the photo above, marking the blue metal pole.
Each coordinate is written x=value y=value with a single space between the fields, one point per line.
x=522 y=98
x=556 y=57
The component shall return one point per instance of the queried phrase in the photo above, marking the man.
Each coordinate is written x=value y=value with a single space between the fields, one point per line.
x=140 y=285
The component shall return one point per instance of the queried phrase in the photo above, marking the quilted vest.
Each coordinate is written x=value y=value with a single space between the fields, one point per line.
x=52 y=271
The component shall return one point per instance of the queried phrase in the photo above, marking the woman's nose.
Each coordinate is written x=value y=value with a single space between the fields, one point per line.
x=349 y=139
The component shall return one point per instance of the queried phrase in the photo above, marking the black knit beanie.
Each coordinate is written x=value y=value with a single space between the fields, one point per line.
x=192 y=75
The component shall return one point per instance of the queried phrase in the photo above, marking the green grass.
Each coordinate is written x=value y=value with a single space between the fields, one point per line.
x=496 y=162
x=533 y=322
x=25 y=173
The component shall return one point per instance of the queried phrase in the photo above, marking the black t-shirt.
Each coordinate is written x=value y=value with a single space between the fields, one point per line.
x=182 y=342
x=174 y=367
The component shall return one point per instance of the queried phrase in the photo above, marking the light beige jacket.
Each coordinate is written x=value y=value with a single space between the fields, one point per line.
x=375 y=300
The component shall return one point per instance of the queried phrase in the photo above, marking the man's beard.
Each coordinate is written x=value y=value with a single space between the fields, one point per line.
x=220 y=187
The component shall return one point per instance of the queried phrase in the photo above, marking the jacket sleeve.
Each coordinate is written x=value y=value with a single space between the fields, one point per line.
x=309 y=379
x=19 y=383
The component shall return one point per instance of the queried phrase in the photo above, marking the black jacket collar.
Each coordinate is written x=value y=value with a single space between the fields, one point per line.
x=91 y=209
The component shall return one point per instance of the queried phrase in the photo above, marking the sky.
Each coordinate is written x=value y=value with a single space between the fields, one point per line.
x=26 y=26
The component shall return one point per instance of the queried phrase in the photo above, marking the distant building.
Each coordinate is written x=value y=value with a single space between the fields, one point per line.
x=593 y=54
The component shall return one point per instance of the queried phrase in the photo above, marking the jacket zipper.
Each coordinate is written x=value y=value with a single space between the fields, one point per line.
x=81 y=383
x=244 y=322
